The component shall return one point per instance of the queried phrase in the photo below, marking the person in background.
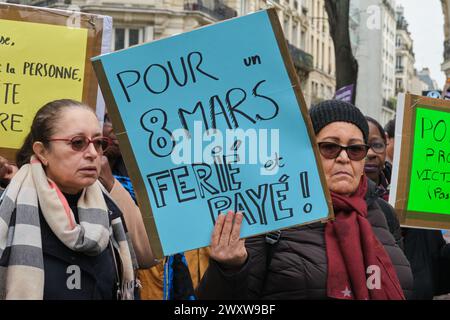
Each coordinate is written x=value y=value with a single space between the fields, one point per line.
x=173 y=278
x=316 y=261
x=429 y=256
x=376 y=156
x=374 y=167
x=389 y=128
x=115 y=159
x=131 y=213
x=63 y=237
x=426 y=250
x=114 y=177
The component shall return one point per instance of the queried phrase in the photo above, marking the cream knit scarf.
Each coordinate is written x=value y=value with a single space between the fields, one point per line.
x=21 y=258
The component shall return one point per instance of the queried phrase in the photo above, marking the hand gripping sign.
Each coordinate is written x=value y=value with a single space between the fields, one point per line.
x=420 y=189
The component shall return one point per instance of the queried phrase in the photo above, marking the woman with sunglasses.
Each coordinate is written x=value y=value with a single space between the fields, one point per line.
x=61 y=235
x=353 y=257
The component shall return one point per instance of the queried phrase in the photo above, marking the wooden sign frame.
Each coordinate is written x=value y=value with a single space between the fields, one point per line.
x=407 y=105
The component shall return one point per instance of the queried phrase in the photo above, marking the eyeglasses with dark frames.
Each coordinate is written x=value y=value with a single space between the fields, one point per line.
x=377 y=146
x=331 y=150
x=80 y=143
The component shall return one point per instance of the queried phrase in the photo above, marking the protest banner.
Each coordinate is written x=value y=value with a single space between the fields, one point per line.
x=214 y=120
x=345 y=93
x=45 y=55
x=420 y=188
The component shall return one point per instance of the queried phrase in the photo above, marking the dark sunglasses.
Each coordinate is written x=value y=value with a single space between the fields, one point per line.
x=80 y=143
x=377 y=147
x=331 y=150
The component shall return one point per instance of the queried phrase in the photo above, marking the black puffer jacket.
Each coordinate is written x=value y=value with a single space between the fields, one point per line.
x=298 y=267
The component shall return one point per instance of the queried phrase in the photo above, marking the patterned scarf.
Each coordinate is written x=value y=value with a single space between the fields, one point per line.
x=21 y=257
x=353 y=251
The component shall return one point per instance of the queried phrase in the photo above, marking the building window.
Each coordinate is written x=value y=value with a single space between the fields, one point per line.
x=133 y=37
x=398 y=63
x=330 y=61
x=127 y=37
x=119 y=38
x=399 y=85
x=314 y=89
x=323 y=57
x=295 y=34
x=329 y=92
x=317 y=53
x=302 y=41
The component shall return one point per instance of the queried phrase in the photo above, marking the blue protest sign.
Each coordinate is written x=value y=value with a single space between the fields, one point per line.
x=214 y=120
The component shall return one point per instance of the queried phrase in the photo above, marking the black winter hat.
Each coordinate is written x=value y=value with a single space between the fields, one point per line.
x=329 y=111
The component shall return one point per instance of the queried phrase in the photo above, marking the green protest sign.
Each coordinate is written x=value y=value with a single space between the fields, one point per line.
x=420 y=189
x=430 y=172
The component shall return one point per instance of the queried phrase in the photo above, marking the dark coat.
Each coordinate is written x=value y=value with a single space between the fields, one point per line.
x=298 y=267
x=429 y=256
x=375 y=194
x=63 y=266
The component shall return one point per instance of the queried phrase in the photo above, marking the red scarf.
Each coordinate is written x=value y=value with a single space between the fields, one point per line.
x=358 y=265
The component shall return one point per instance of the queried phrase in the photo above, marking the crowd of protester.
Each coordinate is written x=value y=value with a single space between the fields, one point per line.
x=71 y=228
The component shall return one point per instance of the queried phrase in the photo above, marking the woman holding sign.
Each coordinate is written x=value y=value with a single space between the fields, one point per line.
x=61 y=235
x=353 y=257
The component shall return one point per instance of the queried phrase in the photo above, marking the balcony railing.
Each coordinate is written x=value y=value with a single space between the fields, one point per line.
x=47 y=3
x=301 y=59
x=217 y=9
